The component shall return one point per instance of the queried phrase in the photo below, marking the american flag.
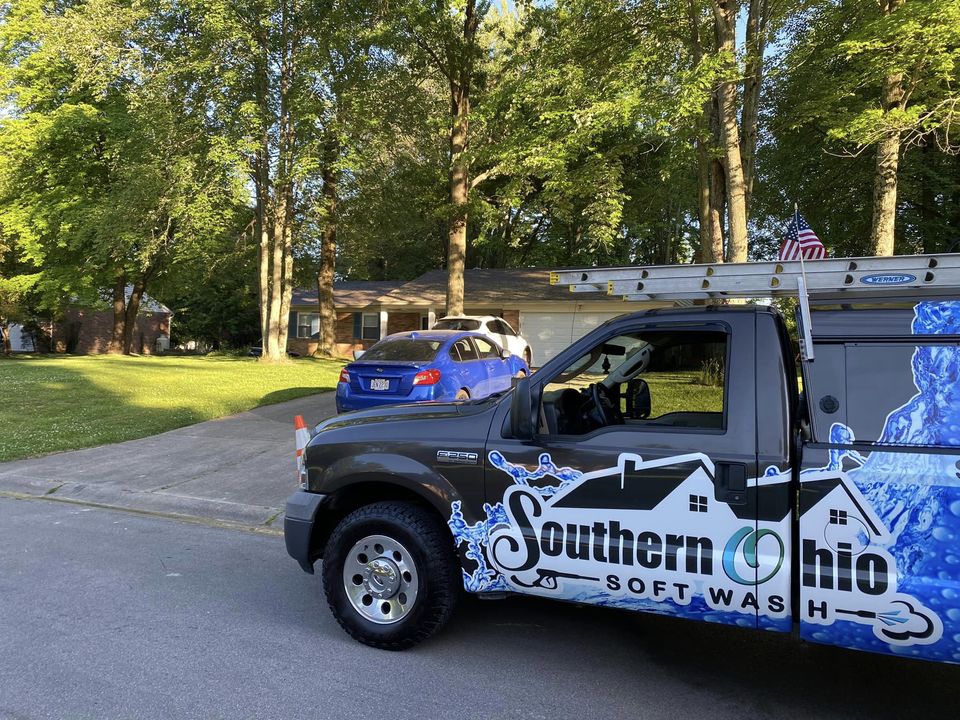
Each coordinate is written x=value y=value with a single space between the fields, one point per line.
x=801 y=239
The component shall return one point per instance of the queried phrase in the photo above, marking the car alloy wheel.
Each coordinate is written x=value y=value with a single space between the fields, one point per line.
x=380 y=579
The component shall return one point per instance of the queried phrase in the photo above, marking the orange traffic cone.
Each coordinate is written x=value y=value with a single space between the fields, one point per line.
x=302 y=436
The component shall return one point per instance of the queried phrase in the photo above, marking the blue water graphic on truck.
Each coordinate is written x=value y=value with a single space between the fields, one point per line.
x=476 y=536
x=917 y=495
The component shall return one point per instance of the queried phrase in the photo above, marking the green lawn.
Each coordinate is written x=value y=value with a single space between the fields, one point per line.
x=679 y=392
x=669 y=391
x=63 y=403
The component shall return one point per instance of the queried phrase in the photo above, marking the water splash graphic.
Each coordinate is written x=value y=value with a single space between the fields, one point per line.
x=476 y=536
x=546 y=468
x=916 y=495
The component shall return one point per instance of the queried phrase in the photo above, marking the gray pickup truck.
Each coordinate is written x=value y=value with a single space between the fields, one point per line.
x=667 y=462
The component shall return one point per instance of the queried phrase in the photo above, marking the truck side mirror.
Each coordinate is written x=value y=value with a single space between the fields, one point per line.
x=521 y=411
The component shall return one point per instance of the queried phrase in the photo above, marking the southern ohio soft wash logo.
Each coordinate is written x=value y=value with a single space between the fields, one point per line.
x=649 y=530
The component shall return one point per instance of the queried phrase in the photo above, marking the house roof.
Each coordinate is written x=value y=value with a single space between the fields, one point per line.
x=491 y=288
x=148 y=304
x=487 y=287
x=350 y=293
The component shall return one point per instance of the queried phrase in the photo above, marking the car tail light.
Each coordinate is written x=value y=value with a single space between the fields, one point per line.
x=344 y=376
x=427 y=377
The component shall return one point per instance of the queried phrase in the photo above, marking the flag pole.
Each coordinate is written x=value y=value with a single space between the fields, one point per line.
x=807 y=335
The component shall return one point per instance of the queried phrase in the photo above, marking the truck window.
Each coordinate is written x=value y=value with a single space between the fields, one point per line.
x=884 y=392
x=651 y=379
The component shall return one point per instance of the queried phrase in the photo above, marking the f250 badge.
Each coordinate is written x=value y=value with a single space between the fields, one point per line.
x=457 y=457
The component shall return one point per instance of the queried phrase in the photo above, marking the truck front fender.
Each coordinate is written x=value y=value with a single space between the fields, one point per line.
x=393 y=469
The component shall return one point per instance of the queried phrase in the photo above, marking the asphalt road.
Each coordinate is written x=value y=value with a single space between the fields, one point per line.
x=106 y=614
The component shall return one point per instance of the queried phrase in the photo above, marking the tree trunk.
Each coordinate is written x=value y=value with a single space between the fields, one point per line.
x=461 y=76
x=131 y=312
x=263 y=227
x=5 y=336
x=261 y=182
x=756 y=44
x=885 y=195
x=887 y=162
x=273 y=350
x=725 y=15
x=931 y=215
x=705 y=251
x=328 y=255
x=459 y=195
x=281 y=277
x=119 y=314
x=718 y=206
x=287 y=295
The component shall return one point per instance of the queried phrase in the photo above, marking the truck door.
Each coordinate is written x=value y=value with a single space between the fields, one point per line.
x=640 y=488
x=880 y=486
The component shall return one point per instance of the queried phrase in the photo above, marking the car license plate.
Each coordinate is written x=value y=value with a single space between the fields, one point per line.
x=379 y=384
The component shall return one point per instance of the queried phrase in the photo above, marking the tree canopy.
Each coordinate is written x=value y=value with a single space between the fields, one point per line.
x=218 y=152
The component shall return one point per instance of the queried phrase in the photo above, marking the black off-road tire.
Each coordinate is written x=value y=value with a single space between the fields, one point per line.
x=430 y=544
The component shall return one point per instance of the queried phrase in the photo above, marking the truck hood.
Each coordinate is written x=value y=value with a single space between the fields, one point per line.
x=410 y=411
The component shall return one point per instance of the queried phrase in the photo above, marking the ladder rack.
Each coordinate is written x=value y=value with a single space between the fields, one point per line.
x=832 y=278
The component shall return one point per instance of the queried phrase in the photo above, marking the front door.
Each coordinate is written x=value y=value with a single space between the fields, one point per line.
x=640 y=488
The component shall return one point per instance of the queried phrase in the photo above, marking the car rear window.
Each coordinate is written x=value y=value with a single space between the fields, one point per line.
x=405 y=350
x=457 y=325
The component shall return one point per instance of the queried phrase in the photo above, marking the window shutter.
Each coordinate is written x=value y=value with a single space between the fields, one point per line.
x=293 y=324
x=357 y=325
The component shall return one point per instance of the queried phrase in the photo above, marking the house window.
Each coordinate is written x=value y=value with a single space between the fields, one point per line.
x=308 y=325
x=698 y=503
x=838 y=517
x=366 y=326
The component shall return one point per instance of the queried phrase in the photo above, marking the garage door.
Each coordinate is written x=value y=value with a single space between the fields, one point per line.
x=550 y=332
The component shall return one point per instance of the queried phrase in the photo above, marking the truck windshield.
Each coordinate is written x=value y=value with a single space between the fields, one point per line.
x=457 y=324
x=403 y=350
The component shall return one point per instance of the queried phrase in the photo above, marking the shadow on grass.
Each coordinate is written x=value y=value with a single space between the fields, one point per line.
x=61 y=405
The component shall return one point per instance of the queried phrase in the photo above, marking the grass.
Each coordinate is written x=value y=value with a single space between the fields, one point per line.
x=681 y=391
x=55 y=403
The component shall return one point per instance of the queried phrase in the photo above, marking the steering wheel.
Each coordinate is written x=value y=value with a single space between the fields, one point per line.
x=601 y=409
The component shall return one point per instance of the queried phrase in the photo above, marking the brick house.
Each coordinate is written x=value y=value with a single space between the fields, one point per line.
x=87 y=331
x=550 y=318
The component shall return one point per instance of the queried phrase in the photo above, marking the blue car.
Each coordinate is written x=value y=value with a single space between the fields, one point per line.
x=427 y=365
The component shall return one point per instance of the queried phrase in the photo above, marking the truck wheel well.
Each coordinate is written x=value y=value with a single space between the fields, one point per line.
x=354 y=496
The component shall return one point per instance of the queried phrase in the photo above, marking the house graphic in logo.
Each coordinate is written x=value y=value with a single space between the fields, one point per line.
x=846 y=571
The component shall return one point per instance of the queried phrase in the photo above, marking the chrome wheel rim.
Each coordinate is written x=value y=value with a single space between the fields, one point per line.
x=380 y=579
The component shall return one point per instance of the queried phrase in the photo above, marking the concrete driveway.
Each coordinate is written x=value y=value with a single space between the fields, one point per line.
x=237 y=469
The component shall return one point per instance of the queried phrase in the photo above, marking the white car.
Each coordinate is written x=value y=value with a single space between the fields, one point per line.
x=497 y=329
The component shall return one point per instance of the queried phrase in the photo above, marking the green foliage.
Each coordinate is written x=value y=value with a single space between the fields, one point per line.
x=710 y=374
x=823 y=113
x=131 y=129
x=111 y=166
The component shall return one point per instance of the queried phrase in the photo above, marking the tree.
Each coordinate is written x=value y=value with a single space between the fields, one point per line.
x=725 y=13
x=885 y=78
x=443 y=35
x=111 y=169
